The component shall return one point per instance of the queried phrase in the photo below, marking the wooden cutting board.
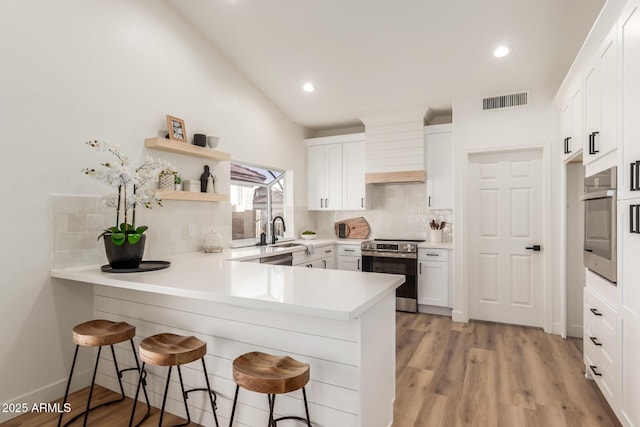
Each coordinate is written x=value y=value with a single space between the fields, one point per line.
x=356 y=228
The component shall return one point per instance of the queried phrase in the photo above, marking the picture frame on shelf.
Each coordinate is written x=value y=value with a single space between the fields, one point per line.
x=176 y=128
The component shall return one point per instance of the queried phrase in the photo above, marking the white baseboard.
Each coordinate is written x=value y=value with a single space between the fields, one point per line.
x=575 y=331
x=47 y=393
x=458 y=316
x=431 y=309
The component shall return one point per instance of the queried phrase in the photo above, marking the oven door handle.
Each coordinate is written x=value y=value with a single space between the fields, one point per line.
x=598 y=195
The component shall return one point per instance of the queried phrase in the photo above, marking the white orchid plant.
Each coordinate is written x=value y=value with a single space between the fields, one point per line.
x=131 y=184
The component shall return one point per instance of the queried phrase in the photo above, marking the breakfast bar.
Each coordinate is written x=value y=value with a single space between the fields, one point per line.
x=342 y=323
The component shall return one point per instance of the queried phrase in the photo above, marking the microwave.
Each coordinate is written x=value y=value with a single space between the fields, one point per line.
x=600 y=228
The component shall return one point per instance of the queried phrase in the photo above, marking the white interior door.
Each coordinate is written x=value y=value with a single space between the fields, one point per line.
x=505 y=218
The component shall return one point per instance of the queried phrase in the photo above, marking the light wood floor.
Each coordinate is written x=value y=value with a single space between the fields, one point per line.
x=452 y=374
x=488 y=374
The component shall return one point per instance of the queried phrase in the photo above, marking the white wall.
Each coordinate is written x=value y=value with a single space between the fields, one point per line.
x=536 y=124
x=74 y=70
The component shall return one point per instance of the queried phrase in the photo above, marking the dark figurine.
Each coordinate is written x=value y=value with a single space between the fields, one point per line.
x=203 y=179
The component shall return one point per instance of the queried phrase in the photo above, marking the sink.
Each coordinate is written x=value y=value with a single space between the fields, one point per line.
x=285 y=245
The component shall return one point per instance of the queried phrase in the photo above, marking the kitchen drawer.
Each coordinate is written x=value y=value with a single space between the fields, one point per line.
x=302 y=257
x=433 y=255
x=327 y=251
x=598 y=312
x=349 y=250
x=600 y=347
x=605 y=380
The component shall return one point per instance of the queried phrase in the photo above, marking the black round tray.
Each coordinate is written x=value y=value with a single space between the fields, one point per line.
x=144 y=266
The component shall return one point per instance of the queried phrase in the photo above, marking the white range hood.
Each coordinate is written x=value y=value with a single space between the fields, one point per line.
x=394 y=147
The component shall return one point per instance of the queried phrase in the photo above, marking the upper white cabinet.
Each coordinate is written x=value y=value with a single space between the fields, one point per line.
x=335 y=173
x=601 y=101
x=571 y=124
x=439 y=161
x=324 y=177
x=353 y=170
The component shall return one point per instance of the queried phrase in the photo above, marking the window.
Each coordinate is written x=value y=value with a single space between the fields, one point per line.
x=257 y=196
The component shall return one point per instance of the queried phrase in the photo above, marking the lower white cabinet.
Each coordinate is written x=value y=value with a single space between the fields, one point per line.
x=433 y=277
x=323 y=257
x=600 y=353
x=349 y=258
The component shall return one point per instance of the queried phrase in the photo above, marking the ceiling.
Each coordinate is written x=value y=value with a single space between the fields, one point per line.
x=370 y=57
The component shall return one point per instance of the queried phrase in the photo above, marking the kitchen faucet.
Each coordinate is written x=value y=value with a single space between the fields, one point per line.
x=274 y=239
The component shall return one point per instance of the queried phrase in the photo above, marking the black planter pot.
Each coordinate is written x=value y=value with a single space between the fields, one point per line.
x=125 y=255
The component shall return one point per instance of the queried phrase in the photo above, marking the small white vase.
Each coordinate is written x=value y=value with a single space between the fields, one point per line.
x=179 y=187
x=436 y=236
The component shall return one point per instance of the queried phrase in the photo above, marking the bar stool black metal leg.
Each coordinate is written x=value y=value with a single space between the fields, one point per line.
x=272 y=404
x=142 y=376
x=93 y=381
x=135 y=399
x=184 y=399
x=306 y=406
x=233 y=408
x=118 y=374
x=211 y=398
x=164 y=398
x=66 y=393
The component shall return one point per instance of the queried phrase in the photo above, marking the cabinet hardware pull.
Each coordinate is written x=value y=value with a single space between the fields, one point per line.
x=565 y=146
x=595 y=311
x=632 y=211
x=568 y=145
x=593 y=369
x=328 y=251
x=326 y=203
x=429 y=201
x=324 y=262
x=535 y=248
x=634 y=168
x=420 y=268
x=358 y=264
x=349 y=250
x=362 y=202
x=428 y=254
x=322 y=203
x=595 y=341
x=590 y=143
x=592 y=149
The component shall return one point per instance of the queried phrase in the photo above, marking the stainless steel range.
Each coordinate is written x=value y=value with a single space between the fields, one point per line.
x=395 y=257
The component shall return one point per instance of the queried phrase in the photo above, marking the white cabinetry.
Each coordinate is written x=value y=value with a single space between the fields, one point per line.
x=433 y=277
x=571 y=123
x=600 y=325
x=335 y=173
x=439 y=161
x=353 y=171
x=601 y=101
x=349 y=258
x=629 y=218
x=324 y=177
x=629 y=312
x=323 y=257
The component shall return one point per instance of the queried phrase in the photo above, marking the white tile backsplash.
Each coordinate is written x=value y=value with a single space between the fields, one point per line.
x=395 y=211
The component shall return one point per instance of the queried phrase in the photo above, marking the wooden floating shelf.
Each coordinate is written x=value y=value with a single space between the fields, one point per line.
x=191 y=196
x=164 y=144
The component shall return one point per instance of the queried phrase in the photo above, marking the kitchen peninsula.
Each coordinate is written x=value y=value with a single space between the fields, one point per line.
x=340 y=322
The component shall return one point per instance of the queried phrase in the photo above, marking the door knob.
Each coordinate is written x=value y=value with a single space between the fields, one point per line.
x=535 y=248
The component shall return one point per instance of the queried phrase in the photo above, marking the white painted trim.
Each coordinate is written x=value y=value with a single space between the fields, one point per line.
x=336 y=139
x=562 y=270
x=443 y=128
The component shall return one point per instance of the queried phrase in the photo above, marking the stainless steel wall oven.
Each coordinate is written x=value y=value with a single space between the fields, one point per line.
x=600 y=227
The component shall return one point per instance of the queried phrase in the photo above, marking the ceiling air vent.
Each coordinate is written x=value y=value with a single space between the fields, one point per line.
x=504 y=101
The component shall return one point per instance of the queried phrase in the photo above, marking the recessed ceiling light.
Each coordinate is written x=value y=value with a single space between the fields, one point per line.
x=501 y=51
x=308 y=87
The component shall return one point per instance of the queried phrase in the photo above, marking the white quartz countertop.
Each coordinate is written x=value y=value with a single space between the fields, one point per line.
x=333 y=294
x=441 y=245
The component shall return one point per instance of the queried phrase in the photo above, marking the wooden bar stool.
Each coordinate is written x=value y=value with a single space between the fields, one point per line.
x=98 y=333
x=174 y=350
x=270 y=375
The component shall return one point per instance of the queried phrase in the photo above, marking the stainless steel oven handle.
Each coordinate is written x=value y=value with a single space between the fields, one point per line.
x=598 y=195
x=390 y=255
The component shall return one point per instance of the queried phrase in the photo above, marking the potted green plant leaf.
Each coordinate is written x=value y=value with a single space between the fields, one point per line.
x=124 y=242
